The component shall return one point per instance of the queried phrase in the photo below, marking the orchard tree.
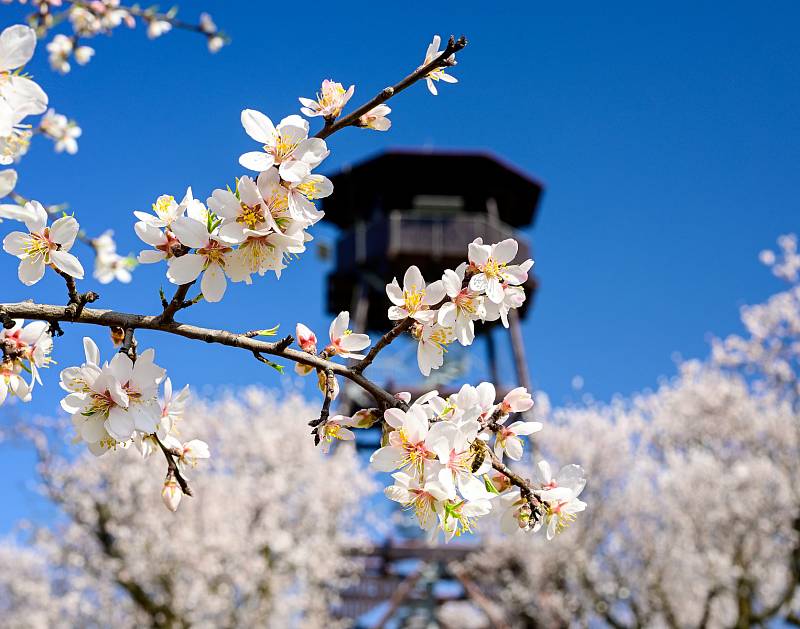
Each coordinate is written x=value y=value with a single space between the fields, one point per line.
x=447 y=455
x=696 y=520
x=264 y=543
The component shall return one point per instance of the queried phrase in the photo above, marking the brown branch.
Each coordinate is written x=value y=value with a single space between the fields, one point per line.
x=383 y=342
x=178 y=302
x=515 y=479
x=351 y=119
x=109 y=318
x=173 y=466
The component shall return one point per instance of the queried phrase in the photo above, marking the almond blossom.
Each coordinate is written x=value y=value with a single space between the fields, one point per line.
x=438 y=74
x=26 y=349
x=376 y=118
x=62 y=131
x=421 y=497
x=410 y=444
x=43 y=245
x=331 y=98
x=415 y=298
x=209 y=259
x=432 y=345
x=343 y=342
x=334 y=429
x=508 y=438
x=463 y=307
x=286 y=146
x=252 y=212
x=492 y=269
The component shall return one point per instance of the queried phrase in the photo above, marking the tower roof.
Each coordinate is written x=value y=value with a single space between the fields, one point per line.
x=396 y=178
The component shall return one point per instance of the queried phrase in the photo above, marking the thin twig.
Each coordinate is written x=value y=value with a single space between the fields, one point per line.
x=383 y=342
x=173 y=466
x=352 y=119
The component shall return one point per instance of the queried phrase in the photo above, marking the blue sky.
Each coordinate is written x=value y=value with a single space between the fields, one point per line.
x=666 y=135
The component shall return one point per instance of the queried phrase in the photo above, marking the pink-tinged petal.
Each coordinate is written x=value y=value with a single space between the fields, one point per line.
x=258 y=126
x=64 y=231
x=31 y=270
x=185 y=269
x=190 y=232
x=213 y=284
x=257 y=160
x=447 y=78
x=67 y=263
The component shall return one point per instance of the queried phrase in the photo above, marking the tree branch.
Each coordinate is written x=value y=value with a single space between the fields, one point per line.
x=351 y=119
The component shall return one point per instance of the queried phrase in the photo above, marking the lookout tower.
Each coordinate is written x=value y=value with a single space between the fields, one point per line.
x=407 y=207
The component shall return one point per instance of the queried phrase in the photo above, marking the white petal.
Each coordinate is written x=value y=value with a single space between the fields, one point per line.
x=258 y=126
x=257 y=160
x=67 y=263
x=185 y=269
x=213 y=284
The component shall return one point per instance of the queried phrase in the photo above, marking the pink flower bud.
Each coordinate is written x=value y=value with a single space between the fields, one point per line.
x=517 y=401
x=306 y=339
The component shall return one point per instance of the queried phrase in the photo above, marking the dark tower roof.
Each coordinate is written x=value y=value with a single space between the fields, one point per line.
x=393 y=179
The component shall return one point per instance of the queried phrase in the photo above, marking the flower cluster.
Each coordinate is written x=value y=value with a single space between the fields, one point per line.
x=42 y=245
x=63 y=131
x=101 y=17
x=108 y=264
x=441 y=460
x=344 y=343
x=26 y=349
x=485 y=288
x=116 y=404
x=20 y=97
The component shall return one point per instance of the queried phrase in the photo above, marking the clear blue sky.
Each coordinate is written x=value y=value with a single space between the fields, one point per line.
x=666 y=134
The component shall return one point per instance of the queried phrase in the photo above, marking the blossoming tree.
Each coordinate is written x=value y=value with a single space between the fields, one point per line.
x=447 y=455
x=697 y=510
x=115 y=558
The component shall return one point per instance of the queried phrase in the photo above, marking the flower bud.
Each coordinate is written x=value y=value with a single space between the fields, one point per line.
x=171 y=494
